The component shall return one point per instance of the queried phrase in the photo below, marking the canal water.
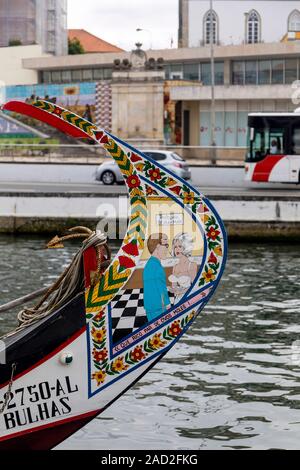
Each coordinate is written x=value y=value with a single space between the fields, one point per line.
x=231 y=383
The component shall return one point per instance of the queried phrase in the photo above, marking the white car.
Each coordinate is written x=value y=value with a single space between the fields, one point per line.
x=108 y=172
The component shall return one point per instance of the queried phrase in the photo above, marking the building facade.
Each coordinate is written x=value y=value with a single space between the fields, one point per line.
x=237 y=22
x=28 y=22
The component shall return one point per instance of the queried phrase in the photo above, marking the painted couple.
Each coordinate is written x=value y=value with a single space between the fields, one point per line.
x=156 y=296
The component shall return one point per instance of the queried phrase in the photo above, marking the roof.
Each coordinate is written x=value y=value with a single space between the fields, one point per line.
x=92 y=43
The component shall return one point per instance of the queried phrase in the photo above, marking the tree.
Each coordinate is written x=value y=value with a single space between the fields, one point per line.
x=75 y=47
x=15 y=42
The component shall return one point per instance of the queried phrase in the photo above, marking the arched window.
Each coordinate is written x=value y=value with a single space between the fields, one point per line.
x=208 y=23
x=253 y=27
x=294 y=21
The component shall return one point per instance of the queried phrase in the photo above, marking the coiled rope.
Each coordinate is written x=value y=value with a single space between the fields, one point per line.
x=71 y=281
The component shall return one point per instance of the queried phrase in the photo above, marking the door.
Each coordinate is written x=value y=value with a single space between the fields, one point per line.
x=186 y=127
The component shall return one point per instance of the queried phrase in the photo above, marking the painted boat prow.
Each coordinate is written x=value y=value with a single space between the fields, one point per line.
x=168 y=267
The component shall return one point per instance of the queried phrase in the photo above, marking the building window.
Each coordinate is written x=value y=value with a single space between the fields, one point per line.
x=66 y=76
x=206 y=73
x=264 y=72
x=211 y=26
x=77 y=75
x=98 y=74
x=176 y=72
x=253 y=27
x=87 y=75
x=191 y=71
x=107 y=74
x=251 y=72
x=219 y=73
x=238 y=72
x=291 y=68
x=56 y=76
x=277 y=71
x=294 y=21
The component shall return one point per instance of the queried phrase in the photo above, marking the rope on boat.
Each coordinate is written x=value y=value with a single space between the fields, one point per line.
x=70 y=282
x=8 y=394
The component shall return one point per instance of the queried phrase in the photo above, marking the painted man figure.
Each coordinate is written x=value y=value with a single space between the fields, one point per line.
x=156 y=297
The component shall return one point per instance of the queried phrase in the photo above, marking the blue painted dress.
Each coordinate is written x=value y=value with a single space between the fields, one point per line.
x=156 y=297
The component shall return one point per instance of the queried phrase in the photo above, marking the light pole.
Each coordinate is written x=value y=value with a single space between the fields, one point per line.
x=213 y=107
x=147 y=31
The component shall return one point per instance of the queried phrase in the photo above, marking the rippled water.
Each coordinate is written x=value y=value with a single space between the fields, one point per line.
x=231 y=382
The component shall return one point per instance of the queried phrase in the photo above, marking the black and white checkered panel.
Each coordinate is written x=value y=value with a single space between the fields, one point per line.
x=128 y=313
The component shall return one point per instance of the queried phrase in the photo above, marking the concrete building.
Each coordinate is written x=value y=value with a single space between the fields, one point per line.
x=248 y=77
x=31 y=22
x=237 y=22
x=12 y=71
x=256 y=69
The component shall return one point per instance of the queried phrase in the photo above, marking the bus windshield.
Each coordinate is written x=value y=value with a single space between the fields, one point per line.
x=263 y=142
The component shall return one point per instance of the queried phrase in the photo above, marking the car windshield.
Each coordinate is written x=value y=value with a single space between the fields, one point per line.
x=177 y=157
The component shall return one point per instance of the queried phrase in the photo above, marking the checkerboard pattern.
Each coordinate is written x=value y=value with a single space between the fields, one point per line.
x=128 y=313
x=103 y=107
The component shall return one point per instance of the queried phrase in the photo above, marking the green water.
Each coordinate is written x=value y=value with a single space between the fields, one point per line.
x=231 y=382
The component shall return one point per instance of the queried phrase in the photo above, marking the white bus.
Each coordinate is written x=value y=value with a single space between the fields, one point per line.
x=273 y=153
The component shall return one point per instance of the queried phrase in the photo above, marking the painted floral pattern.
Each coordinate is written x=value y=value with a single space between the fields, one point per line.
x=144 y=179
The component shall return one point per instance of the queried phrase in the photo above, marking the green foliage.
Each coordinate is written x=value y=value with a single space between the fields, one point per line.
x=75 y=47
x=15 y=42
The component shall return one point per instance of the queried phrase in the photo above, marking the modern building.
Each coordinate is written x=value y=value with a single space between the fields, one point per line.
x=91 y=43
x=255 y=70
x=238 y=22
x=28 y=22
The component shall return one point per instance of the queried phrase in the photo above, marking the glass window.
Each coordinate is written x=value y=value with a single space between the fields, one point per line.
x=98 y=74
x=265 y=142
x=277 y=71
x=238 y=73
x=156 y=156
x=205 y=129
x=107 y=74
x=66 y=76
x=177 y=157
x=290 y=70
x=264 y=72
x=206 y=74
x=56 y=76
x=276 y=143
x=87 y=75
x=251 y=72
x=296 y=141
x=210 y=23
x=46 y=77
x=167 y=70
x=191 y=71
x=176 y=71
x=253 y=27
x=219 y=129
x=294 y=21
x=242 y=126
x=77 y=75
x=219 y=73
x=230 y=129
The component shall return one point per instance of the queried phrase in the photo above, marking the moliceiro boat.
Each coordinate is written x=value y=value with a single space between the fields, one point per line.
x=106 y=322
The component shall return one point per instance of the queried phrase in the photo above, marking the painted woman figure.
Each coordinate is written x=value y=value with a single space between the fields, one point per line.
x=185 y=271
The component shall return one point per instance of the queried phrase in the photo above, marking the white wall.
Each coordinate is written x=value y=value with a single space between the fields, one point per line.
x=11 y=60
x=274 y=19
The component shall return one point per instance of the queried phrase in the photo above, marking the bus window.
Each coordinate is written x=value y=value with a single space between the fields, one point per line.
x=296 y=141
x=263 y=142
x=256 y=145
x=276 y=142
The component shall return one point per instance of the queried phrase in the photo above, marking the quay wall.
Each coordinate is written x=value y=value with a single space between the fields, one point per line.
x=252 y=217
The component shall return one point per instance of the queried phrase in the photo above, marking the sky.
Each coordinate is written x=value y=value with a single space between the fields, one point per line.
x=116 y=21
